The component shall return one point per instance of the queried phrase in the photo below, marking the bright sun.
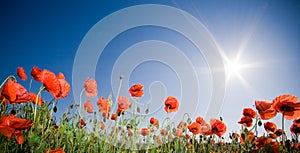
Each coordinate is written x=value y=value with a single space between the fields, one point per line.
x=233 y=68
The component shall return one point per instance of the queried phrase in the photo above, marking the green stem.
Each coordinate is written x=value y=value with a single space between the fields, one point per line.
x=114 y=105
x=30 y=84
x=135 y=106
x=185 y=114
x=118 y=93
x=120 y=85
x=51 y=111
x=255 y=125
x=193 y=143
x=36 y=102
x=11 y=76
x=80 y=100
x=283 y=133
x=166 y=119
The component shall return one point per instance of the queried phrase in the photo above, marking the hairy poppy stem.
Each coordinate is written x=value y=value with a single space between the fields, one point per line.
x=120 y=86
x=185 y=114
x=36 y=102
x=11 y=76
x=167 y=119
x=255 y=125
x=51 y=111
x=283 y=133
x=30 y=83
x=118 y=93
x=80 y=99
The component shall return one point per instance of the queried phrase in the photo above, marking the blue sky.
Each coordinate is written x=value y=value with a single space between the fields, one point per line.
x=264 y=33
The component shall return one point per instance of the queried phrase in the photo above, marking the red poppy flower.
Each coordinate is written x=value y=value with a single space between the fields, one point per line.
x=194 y=128
x=246 y=120
x=36 y=74
x=11 y=125
x=64 y=86
x=104 y=106
x=144 y=131
x=238 y=136
x=35 y=100
x=136 y=90
x=275 y=147
x=200 y=120
x=163 y=132
x=90 y=86
x=217 y=127
x=21 y=73
x=9 y=91
x=251 y=136
x=123 y=105
x=278 y=132
x=81 y=123
x=288 y=105
x=295 y=127
x=178 y=132
x=57 y=150
x=249 y=112
x=265 y=110
x=272 y=136
x=171 y=104
x=113 y=117
x=296 y=121
x=88 y=106
x=158 y=139
x=14 y=92
x=15 y=122
x=205 y=129
x=56 y=85
x=182 y=125
x=7 y=131
x=154 y=121
x=270 y=127
x=51 y=83
x=262 y=141
x=19 y=137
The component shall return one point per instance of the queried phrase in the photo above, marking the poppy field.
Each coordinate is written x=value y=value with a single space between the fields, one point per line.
x=27 y=122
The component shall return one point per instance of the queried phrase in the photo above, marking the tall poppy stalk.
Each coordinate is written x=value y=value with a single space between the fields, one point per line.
x=36 y=100
x=283 y=133
x=80 y=100
x=118 y=93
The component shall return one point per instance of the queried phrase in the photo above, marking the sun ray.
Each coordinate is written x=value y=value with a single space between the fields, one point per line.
x=249 y=33
x=246 y=84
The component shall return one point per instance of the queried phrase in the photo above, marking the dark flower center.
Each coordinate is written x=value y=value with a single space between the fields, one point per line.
x=286 y=108
x=194 y=129
x=214 y=129
x=169 y=106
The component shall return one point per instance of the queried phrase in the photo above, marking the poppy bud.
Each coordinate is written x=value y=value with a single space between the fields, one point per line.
x=55 y=109
x=259 y=123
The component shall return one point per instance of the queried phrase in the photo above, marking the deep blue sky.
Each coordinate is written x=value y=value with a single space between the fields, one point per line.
x=48 y=34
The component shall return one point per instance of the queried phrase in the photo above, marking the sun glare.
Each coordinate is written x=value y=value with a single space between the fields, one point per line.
x=232 y=68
